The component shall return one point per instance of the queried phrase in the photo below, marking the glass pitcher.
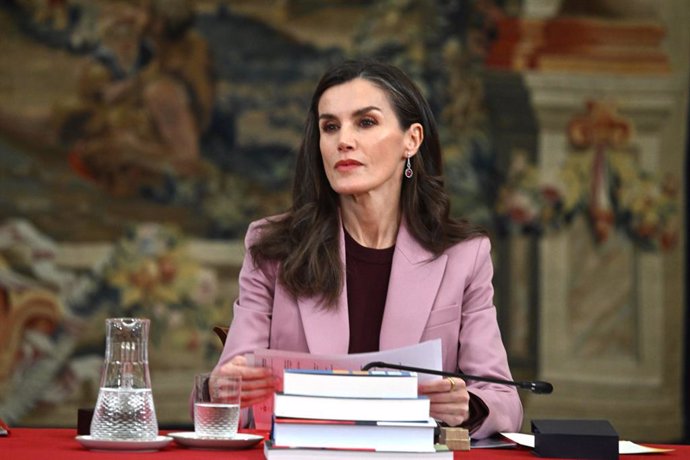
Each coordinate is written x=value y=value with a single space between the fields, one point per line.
x=125 y=409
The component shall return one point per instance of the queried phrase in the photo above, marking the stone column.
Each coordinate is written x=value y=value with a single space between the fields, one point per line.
x=609 y=312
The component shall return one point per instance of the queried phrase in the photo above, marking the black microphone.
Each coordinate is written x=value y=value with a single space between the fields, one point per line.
x=536 y=386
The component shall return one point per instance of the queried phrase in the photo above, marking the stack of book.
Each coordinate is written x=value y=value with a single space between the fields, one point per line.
x=351 y=414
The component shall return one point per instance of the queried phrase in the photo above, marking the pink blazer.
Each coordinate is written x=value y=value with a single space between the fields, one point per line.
x=449 y=297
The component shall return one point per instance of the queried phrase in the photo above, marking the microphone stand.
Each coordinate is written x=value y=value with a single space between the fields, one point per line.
x=536 y=386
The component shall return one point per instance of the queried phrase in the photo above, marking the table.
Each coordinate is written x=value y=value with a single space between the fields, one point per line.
x=59 y=443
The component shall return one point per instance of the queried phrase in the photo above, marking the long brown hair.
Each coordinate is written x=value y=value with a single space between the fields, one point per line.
x=305 y=240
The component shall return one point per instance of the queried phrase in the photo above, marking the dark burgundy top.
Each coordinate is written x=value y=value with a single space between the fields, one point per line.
x=368 y=271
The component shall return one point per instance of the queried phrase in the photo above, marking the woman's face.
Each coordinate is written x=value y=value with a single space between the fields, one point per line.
x=362 y=144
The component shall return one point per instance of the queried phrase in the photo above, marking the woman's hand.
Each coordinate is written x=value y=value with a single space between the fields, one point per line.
x=450 y=401
x=258 y=383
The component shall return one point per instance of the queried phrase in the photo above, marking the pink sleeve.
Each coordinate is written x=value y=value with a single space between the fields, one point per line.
x=252 y=311
x=481 y=349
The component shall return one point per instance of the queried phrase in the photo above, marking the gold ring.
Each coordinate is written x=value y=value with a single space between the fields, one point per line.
x=452 y=383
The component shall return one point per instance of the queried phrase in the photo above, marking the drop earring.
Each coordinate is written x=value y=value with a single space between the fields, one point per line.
x=408 y=169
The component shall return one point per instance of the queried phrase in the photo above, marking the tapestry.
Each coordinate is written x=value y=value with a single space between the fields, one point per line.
x=137 y=141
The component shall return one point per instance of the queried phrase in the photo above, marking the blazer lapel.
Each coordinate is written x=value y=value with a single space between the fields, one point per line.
x=327 y=330
x=414 y=281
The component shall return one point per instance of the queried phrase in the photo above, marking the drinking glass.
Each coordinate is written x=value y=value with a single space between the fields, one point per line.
x=217 y=405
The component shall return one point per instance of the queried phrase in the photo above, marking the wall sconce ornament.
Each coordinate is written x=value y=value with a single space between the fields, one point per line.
x=600 y=178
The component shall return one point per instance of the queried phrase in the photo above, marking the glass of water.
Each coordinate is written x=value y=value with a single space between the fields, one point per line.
x=217 y=405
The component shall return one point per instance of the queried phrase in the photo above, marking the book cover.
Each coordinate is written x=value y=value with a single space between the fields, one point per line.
x=332 y=408
x=337 y=434
x=350 y=384
x=272 y=452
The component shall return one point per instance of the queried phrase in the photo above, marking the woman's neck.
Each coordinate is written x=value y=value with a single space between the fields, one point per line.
x=371 y=225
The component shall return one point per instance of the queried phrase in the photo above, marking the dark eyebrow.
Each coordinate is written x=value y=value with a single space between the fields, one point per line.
x=356 y=113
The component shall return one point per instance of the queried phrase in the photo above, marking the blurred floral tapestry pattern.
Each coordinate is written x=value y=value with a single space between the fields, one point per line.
x=52 y=318
x=150 y=274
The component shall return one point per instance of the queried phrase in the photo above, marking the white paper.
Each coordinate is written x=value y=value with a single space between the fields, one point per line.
x=628 y=447
x=624 y=447
x=526 y=440
x=426 y=354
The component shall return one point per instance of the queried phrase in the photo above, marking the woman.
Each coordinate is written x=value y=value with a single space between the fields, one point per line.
x=367 y=258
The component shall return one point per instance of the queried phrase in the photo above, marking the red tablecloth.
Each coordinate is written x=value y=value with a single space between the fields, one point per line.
x=60 y=443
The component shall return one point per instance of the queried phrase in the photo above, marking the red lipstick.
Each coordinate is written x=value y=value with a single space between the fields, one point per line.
x=347 y=164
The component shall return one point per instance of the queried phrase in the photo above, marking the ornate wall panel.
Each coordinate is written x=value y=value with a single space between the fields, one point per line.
x=604 y=304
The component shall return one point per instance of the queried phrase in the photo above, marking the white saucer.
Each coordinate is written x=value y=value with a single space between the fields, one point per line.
x=239 y=441
x=141 y=445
